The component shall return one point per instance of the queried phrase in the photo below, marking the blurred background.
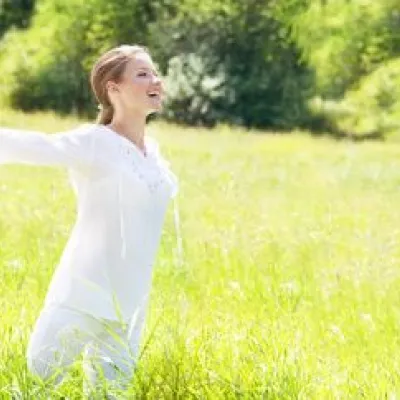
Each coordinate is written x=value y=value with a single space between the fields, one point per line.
x=322 y=65
x=281 y=278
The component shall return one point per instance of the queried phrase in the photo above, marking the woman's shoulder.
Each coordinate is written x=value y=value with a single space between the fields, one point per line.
x=86 y=128
x=89 y=133
x=76 y=133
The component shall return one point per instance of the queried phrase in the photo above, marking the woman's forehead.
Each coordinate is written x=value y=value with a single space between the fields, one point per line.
x=140 y=60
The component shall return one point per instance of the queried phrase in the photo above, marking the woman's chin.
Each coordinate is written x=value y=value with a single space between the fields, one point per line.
x=154 y=111
x=155 y=108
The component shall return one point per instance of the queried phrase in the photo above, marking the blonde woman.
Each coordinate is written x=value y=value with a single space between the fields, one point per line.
x=97 y=299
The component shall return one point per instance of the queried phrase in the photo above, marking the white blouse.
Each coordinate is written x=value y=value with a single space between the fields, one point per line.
x=122 y=196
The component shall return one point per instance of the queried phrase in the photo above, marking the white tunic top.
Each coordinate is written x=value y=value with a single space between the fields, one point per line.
x=122 y=197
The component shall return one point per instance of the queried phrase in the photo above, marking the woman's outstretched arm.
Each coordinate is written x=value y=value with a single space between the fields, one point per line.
x=68 y=149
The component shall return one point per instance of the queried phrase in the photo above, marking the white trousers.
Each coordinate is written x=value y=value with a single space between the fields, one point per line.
x=109 y=348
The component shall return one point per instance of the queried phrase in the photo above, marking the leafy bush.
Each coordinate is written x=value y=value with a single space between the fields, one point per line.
x=372 y=107
x=15 y=13
x=344 y=40
x=235 y=63
x=48 y=66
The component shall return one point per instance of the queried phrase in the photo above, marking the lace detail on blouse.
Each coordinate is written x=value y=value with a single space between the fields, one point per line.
x=151 y=169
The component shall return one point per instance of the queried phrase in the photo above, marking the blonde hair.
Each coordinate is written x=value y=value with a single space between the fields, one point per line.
x=110 y=66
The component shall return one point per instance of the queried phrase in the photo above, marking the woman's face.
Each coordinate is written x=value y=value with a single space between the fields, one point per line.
x=140 y=88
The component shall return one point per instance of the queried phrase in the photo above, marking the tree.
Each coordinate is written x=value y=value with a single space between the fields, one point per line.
x=15 y=13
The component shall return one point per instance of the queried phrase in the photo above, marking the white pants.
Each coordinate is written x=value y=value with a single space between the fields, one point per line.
x=60 y=335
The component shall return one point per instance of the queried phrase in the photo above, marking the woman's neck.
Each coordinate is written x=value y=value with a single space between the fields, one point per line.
x=132 y=128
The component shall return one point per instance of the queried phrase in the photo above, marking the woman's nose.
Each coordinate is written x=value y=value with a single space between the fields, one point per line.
x=156 y=80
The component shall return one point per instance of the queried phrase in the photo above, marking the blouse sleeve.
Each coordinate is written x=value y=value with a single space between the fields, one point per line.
x=71 y=149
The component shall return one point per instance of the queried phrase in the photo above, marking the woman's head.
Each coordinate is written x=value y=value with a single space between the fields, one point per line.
x=125 y=79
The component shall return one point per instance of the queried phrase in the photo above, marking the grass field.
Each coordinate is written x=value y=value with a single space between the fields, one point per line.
x=289 y=287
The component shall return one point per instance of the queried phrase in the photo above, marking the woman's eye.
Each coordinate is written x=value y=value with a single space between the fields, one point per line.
x=142 y=74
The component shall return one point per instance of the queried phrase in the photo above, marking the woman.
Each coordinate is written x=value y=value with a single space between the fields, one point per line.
x=98 y=295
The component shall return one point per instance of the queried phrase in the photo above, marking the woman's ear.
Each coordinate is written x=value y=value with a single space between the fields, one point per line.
x=111 y=86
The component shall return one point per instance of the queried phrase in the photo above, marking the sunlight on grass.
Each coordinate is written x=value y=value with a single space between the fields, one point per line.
x=289 y=287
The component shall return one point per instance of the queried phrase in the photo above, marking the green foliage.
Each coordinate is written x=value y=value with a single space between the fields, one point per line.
x=51 y=68
x=343 y=40
x=255 y=63
x=233 y=59
x=235 y=63
x=372 y=106
x=15 y=13
x=44 y=70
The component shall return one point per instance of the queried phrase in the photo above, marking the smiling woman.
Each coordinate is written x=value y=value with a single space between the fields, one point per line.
x=97 y=300
x=128 y=88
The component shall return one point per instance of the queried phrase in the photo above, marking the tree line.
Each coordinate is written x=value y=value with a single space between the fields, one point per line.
x=319 y=64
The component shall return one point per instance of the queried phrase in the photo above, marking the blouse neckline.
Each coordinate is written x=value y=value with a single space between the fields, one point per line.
x=147 y=142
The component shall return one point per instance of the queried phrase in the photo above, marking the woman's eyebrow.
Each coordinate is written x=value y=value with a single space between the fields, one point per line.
x=149 y=69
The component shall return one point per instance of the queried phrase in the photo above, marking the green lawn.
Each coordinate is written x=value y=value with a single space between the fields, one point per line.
x=290 y=283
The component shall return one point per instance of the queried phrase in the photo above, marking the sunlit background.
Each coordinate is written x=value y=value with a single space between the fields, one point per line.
x=282 y=123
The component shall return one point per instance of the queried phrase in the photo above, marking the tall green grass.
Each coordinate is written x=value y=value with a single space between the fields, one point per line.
x=289 y=287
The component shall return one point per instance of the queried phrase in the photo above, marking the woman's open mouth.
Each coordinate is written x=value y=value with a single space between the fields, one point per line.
x=154 y=95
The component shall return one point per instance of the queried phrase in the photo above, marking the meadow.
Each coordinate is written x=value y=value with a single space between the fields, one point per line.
x=288 y=285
